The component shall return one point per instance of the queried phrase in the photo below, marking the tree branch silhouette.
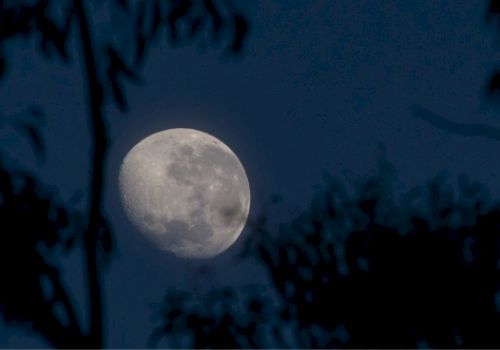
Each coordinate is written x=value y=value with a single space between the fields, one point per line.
x=104 y=67
x=462 y=129
x=99 y=139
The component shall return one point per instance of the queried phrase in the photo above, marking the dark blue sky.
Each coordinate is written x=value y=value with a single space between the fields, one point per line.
x=320 y=86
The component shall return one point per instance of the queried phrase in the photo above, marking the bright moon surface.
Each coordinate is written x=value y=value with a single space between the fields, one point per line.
x=186 y=191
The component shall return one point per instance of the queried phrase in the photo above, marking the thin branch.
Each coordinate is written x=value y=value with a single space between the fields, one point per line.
x=462 y=129
x=99 y=138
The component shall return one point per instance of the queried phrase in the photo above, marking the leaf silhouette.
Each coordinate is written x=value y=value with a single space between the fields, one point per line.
x=240 y=32
x=494 y=86
x=178 y=11
x=117 y=68
x=156 y=19
x=215 y=17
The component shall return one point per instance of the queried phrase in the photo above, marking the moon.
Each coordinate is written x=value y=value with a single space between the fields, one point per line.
x=186 y=191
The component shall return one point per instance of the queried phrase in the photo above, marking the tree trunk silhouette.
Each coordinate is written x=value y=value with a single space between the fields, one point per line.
x=98 y=130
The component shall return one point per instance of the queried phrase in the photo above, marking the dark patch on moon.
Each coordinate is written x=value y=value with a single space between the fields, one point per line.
x=182 y=173
x=186 y=150
x=185 y=167
x=215 y=157
x=178 y=232
x=232 y=215
x=188 y=168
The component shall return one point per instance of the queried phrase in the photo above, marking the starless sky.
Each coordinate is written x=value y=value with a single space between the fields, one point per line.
x=320 y=86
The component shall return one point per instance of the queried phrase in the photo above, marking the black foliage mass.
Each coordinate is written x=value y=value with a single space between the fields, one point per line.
x=227 y=321
x=37 y=229
x=364 y=270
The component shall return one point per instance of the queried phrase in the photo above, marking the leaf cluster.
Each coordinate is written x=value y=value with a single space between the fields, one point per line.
x=363 y=269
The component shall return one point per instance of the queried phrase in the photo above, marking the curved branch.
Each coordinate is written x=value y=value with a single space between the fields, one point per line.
x=462 y=129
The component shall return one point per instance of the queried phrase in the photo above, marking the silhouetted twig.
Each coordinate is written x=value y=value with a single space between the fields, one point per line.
x=462 y=129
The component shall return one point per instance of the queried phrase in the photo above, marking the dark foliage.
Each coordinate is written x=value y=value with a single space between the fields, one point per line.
x=367 y=271
x=225 y=323
x=363 y=270
x=37 y=228
x=354 y=271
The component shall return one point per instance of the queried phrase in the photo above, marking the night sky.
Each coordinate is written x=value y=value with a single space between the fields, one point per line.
x=321 y=87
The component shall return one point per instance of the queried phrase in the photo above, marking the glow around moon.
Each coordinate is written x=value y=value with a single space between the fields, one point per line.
x=186 y=191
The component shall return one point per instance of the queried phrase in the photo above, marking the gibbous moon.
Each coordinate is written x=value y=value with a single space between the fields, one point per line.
x=186 y=191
